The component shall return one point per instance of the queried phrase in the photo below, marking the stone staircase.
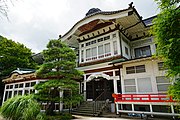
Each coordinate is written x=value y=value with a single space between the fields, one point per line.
x=90 y=108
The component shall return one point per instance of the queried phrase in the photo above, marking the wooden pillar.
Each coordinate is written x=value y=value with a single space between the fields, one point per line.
x=132 y=107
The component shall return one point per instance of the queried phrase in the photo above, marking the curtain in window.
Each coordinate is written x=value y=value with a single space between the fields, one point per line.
x=100 y=50
x=107 y=48
x=144 y=85
x=88 y=53
x=143 y=51
x=115 y=47
x=130 y=85
x=94 y=51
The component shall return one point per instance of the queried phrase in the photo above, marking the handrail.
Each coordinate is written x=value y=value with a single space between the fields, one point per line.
x=99 y=96
x=142 y=98
x=100 y=105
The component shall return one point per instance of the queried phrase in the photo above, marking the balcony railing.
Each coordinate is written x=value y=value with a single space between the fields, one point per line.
x=142 y=98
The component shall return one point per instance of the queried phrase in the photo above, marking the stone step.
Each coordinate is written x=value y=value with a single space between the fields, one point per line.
x=86 y=108
x=85 y=114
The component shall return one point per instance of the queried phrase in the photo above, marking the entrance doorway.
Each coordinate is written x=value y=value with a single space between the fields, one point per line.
x=99 y=86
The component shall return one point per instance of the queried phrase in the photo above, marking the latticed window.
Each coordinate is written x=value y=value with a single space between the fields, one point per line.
x=94 y=51
x=135 y=69
x=115 y=47
x=161 y=66
x=142 y=51
x=82 y=55
x=162 y=83
x=126 y=51
x=144 y=85
x=107 y=48
x=88 y=53
x=129 y=85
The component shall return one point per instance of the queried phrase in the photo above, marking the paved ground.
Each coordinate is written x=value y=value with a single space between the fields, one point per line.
x=107 y=118
x=104 y=118
x=98 y=118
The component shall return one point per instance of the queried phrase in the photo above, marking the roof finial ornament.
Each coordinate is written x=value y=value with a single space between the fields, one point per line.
x=59 y=37
x=131 y=5
x=92 y=11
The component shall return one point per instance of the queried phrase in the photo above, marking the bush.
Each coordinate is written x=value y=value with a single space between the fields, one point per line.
x=64 y=116
x=21 y=108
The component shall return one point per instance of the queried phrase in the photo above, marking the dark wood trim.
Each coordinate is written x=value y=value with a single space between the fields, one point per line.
x=24 y=80
x=99 y=70
x=112 y=30
x=100 y=61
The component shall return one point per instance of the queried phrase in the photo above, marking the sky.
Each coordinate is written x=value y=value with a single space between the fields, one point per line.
x=35 y=22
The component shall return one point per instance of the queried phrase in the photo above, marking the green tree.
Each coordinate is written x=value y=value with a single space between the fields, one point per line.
x=59 y=68
x=12 y=56
x=21 y=108
x=166 y=31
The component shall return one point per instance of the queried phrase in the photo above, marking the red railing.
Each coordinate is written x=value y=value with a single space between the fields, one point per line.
x=142 y=98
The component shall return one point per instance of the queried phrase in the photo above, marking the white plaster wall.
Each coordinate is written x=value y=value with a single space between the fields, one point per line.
x=152 y=71
x=124 y=44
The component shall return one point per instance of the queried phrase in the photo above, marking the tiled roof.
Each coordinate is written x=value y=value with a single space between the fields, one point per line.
x=148 y=21
x=23 y=71
x=96 y=13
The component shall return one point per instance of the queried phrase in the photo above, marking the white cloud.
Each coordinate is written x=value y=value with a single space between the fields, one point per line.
x=34 y=22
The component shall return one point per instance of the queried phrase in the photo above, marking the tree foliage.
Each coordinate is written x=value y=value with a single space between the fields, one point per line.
x=164 y=4
x=166 y=31
x=59 y=69
x=21 y=108
x=12 y=56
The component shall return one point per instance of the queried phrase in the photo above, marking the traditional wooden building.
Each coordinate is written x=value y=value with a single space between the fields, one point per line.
x=114 y=49
x=21 y=82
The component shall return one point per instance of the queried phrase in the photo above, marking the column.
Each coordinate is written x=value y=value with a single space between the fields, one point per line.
x=132 y=107
x=115 y=85
x=172 y=109
x=13 y=90
x=117 y=108
x=61 y=103
x=151 y=110
x=4 y=93
x=23 y=89
x=122 y=81
x=84 y=87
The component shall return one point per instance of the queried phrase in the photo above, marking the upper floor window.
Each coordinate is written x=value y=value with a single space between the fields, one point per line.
x=142 y=51
x=107 y=49
x=82 y=45
x=126 y=51
x=82 y=55
x=115 y=47
x=161 y=66
x=88 y=53
x=100 y=51
x=135 y=69
x=114 y=35
x=100 y=39
x=94 y=53
x=107 y=37
x=162 y=83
